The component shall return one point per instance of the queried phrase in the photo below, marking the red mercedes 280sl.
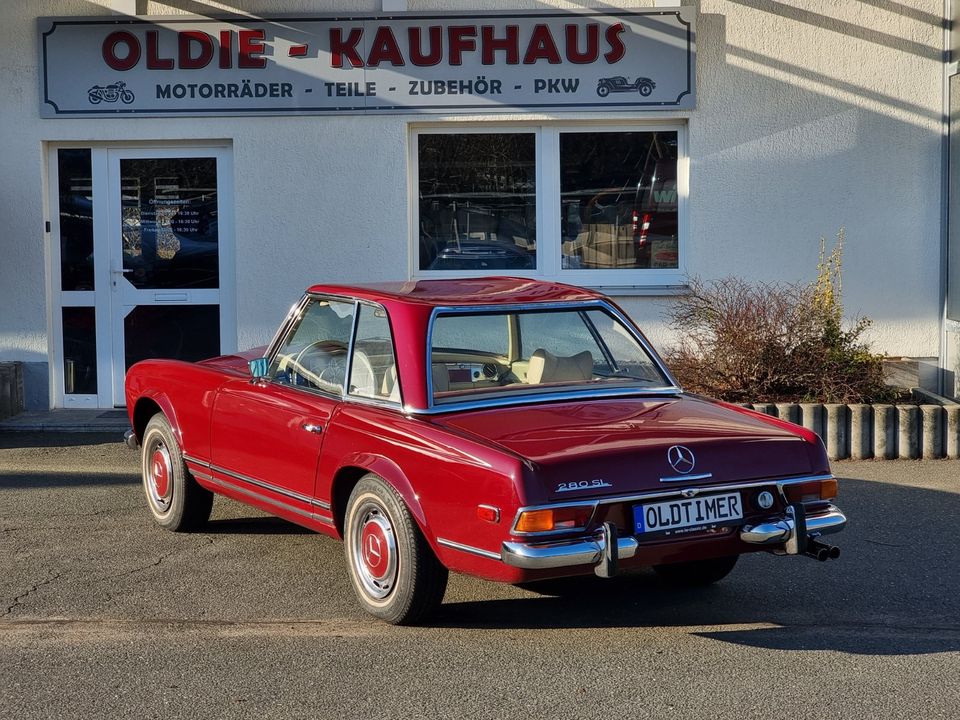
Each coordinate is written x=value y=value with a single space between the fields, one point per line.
x=511 y=429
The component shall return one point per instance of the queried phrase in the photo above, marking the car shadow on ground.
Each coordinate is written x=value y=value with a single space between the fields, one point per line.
x=892 y=592
x=253 y=526
x=11 y=440
x=52 y=479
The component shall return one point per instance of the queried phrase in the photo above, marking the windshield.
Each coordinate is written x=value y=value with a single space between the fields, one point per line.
x=493 y=354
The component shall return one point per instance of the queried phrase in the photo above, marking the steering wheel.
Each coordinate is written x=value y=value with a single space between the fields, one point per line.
x=320 y=362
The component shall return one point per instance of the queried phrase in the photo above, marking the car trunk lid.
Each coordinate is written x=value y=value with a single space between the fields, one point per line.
x=622 y=446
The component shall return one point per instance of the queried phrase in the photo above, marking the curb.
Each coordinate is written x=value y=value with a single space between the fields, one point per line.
x=880 y=431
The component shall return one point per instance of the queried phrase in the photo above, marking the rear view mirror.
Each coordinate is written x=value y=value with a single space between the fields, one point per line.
x=259 y=367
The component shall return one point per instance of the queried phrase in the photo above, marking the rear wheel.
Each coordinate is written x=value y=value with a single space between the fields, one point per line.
x=697 y=573
x=395 y=574
x=175 y=499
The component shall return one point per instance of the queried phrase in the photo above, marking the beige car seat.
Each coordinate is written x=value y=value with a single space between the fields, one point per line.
x=545 y=367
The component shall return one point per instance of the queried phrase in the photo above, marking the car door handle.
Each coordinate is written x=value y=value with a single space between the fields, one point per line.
x=310 y=427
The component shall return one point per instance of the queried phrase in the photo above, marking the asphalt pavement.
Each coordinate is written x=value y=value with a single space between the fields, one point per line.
x=105 y=615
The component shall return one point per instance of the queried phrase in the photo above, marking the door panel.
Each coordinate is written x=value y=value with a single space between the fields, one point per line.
x=261 y=431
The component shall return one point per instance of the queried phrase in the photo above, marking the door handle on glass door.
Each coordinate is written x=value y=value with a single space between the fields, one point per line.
x=119 y=272
x=310 y=427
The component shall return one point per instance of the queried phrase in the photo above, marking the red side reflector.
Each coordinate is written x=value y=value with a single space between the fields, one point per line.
x=488 y=513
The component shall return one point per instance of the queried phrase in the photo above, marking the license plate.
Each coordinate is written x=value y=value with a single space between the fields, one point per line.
x=676 y=517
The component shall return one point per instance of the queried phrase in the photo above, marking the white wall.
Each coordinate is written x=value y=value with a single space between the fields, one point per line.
x=810 y=115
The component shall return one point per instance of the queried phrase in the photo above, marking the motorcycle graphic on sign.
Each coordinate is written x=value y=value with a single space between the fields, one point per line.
x=110 y=93
x=619 y=84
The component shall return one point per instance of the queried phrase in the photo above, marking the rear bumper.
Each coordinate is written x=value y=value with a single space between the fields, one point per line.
x=547 y=555
x=591 y=550
x=779 y=531
x=130 y=438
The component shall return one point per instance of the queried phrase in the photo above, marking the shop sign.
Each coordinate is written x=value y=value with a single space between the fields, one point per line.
x=504 y=62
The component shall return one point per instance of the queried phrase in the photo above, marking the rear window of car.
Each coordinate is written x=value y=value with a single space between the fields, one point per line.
x=529 y=351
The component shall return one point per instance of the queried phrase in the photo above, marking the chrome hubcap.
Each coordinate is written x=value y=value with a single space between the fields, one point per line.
x=159 y=477
x=374 y=550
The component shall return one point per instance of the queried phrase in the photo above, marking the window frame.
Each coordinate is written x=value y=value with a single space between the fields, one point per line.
x=548 y=205
x=291 y=321
x=535 y=398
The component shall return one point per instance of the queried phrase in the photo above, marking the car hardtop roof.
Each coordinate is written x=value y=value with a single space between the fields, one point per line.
x=462 y=292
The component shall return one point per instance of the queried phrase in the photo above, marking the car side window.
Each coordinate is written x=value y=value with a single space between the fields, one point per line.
x=314 y=353
x=373 y=371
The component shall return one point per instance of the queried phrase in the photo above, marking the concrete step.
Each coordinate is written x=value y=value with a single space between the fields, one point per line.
x=70 y=420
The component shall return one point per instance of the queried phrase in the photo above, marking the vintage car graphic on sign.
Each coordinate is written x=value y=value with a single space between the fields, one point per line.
x=619 y=84
x=516 y=430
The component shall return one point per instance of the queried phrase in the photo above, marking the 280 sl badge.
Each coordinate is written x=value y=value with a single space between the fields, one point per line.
x=582 y=485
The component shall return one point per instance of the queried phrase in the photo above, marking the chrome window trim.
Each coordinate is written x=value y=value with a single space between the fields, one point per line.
x=597 y=303
x=380 y=402
x=353 y=337
x=283 y=334
x=539 y=399
x=469 y=549
x=658 y=494
x=258 y=483
x=296 y=311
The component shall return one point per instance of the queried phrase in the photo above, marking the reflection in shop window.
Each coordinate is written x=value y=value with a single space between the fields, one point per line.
x=618 y=200
x=76 y=219
x=477 y=201
x=79 y=351
x=170 y=227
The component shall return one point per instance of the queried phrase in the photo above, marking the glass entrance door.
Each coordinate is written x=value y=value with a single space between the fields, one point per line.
x=142 y=272
x=165 y=256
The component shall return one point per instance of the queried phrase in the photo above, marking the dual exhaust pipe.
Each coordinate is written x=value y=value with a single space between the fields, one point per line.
x=820 y=551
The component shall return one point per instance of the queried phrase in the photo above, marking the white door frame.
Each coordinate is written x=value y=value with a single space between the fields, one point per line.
x=112 y=302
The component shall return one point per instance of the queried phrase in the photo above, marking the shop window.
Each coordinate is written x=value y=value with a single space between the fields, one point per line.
x=599 y=206
x=477 y=201
x=618 y=200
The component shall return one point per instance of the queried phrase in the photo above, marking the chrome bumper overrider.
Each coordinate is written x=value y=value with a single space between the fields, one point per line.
x=130 y=438
x=588 y=551
x=780 y=533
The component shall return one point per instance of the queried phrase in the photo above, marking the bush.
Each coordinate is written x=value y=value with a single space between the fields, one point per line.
x=775 y=342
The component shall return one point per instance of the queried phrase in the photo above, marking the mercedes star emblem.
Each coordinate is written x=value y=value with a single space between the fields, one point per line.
x=681 y=459
x=373 y=550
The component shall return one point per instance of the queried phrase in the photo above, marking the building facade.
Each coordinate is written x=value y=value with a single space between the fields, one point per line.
x=170 y=182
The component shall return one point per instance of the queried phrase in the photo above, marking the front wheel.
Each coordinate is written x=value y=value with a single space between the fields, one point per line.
x=394 y=572
x=697 y=573
x=175 y=499
x=645 y=89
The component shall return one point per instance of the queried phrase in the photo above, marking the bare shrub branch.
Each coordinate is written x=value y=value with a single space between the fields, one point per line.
x=773 y=342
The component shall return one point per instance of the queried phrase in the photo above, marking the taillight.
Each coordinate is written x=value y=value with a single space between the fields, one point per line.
x=554 y=519
x=811 y=491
